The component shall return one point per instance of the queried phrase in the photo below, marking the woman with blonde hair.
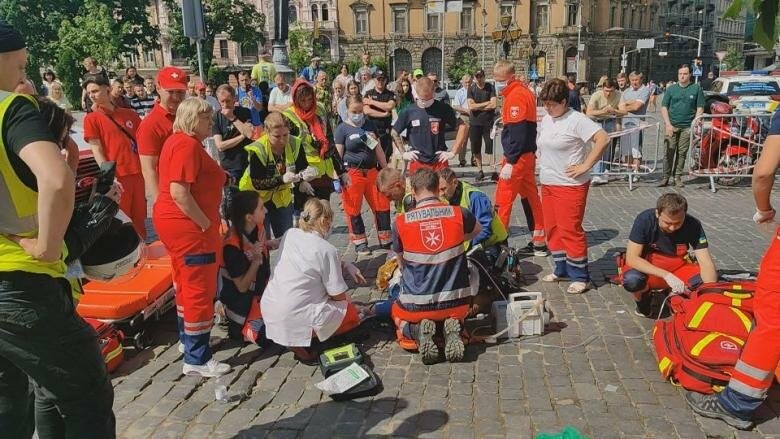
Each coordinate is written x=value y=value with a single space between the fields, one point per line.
x=57 y=95
x=307 y=296
x=186 y=217
x=276 y=161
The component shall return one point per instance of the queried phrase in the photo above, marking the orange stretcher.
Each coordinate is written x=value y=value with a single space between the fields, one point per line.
x=129 y=305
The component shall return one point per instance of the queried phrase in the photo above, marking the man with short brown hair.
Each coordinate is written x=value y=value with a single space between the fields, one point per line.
x=657 y=252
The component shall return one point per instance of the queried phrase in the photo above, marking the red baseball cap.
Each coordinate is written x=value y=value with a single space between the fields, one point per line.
x=172 y=78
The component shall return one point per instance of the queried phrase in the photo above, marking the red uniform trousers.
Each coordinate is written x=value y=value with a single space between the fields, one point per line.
x=403 y=318
x=523 y=183
x=564 y=209
x=637 y=282
x=195 y=263
x=415 y=165
x=363 y=185
x=753 y=372
x=133 y=201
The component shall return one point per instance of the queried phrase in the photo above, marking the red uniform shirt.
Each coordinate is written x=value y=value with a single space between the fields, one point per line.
x=155 y=129
x=183 y=159
x=117 y=144
x=519 y=116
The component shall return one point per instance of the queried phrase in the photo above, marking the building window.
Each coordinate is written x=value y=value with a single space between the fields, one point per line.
x=642 y=19
x=542 y=18
x=507 y=9
x=433 y=22
x=612 y=15
x=361 y=21
x=571 y=14
x=149 y=56
x=314 y=13
x=399 y=21
x=624 y=17
x=293 y=15
x=633 y=15
x=467 y=19
x=223 y=49
x=324 y=12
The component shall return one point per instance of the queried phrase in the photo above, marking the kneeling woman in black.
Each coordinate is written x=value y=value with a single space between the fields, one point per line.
x=245 y=267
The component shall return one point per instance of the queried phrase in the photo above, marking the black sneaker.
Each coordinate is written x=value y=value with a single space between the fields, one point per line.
x=526 y=250
x=709 y=407
x=462 y=163
x=362 y=249
x=494 y=176
x=480 y=176
x=385 y=246
x=429 y=352
x=540 y=251
x=644 y=306
x=453 y=343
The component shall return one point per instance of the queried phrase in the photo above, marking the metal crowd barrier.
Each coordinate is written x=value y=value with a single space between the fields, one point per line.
x=634 y=151
x=725 y=147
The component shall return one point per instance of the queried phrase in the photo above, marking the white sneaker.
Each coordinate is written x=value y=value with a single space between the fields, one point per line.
x=181 y=347
x=212 y=368
x=597 y=180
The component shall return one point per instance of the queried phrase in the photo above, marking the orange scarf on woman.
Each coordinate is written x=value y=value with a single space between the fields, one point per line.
x=309 y=117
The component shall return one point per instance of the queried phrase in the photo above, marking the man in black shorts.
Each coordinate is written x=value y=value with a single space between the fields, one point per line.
x=378 y=108
x=482 y=104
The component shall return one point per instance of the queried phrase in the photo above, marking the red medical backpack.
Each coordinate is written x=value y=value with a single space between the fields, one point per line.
x=698 y=347
x=110 y=341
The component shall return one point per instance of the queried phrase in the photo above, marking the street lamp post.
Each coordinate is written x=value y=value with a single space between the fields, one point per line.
x=687 y=37
x=506 y=21
x=484 y=30
x=579 y=41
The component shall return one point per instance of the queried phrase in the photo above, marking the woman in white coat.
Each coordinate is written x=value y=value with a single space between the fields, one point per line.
x=307 y=296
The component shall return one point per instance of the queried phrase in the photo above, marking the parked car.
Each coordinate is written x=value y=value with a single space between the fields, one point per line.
x=748 y=92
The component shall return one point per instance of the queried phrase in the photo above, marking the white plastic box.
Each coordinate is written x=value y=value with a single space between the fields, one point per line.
x=519 y=304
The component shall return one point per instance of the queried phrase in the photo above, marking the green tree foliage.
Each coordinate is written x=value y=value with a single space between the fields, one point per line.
x=464 y=63
x=58 y=32
x=299 y=48
x=766 y=31
x=734 y=60
x=237 y=18
x=69 y=71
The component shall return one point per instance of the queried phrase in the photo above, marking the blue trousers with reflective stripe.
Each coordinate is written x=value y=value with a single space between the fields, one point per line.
x=196 y=347
x=740 y=405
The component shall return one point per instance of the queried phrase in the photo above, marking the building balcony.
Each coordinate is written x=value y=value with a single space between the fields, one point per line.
x=324 y=25
x=569 y=29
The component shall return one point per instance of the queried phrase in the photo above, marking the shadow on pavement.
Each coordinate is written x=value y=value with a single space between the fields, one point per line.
x=355 y=418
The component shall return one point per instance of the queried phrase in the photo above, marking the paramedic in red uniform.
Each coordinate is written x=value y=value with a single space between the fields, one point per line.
x=657 y=252
x=424 y=123
x=435 y=286
x=186 y=217
x=157 y=126
x=565 y=161
x=754 y=371
x=518 y=139
x=111 y=132
x=358 y=145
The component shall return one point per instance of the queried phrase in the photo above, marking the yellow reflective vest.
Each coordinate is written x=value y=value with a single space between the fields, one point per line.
x=498 y=232
x=282 y=196
x=323 y=166
x=19 y=212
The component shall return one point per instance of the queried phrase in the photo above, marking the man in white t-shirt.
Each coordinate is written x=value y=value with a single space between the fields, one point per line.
x=634 y=101
x=280 y=98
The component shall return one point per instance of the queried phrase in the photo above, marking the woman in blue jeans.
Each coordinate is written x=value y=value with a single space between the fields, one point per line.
x=277 y=162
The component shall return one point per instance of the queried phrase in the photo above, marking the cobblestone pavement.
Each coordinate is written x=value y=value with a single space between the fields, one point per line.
x=607 y=387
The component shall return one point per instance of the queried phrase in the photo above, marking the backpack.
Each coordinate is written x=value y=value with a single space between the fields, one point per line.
x=110 y=341
x=698 y=347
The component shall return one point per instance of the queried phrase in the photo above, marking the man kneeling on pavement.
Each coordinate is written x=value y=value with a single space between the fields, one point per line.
x=435 y=286
x=657 y=253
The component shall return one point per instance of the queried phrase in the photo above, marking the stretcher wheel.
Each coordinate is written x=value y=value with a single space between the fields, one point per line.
x=141 y=341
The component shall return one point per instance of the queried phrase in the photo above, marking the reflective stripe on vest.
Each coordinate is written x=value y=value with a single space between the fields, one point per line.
x=19 y=214
x=434 y=271
x=281 y=195
x=323 y=166
x=497 y=230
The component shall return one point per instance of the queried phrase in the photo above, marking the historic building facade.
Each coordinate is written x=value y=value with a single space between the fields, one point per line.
x=540 y=36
